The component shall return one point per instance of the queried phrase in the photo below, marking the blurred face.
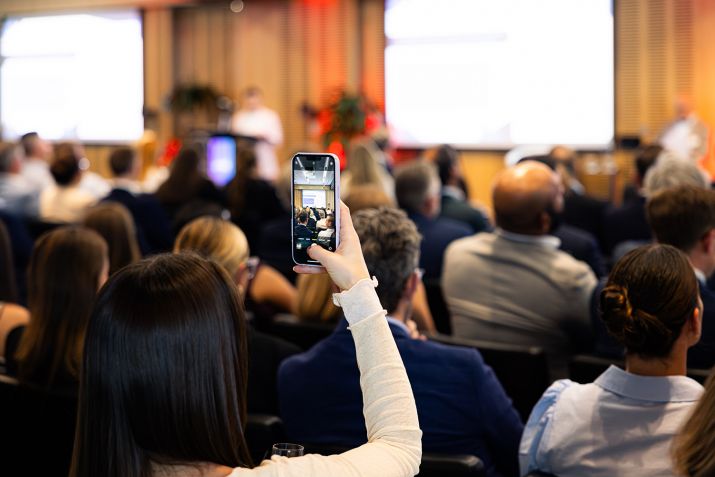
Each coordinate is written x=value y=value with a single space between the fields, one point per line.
x=252 y=101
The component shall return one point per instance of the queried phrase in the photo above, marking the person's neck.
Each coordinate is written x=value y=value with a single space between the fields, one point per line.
x=673 y=365
x=699 y=262
x=402 y=313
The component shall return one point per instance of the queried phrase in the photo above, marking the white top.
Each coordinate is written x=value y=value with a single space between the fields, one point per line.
x=64 y=204
x=394 y=446
x=266 y=124
x=621 y=424
x=37 y=173
x=94 y=184
x=327 y=233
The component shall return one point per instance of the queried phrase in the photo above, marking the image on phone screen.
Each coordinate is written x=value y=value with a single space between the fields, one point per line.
x=221 y=159
x=315 y=200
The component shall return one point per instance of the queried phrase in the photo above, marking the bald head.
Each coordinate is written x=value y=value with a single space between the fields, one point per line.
x=523 y=197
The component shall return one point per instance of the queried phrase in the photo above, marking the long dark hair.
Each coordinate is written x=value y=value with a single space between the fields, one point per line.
x=116 y=225
x=165 y=371
x=64 y=274
x=184 y=179
x=236 y=190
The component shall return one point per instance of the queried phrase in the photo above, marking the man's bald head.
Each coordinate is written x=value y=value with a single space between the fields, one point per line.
x=524 y=195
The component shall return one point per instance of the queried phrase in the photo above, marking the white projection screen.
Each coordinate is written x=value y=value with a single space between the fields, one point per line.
x=77 y=76
x=493 y=74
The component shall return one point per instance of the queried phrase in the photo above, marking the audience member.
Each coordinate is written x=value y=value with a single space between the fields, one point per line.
x=21 y=243
x=301 y=230
x=65 y=202
x=417 y=187
x=187 y=187
x=12 y=315
x=113 y=222
x=455 y=204
x=671 y=172
x=623 y=423
x=694 y=443
x=320 y=225
x=684 y=217
x=252 y=200
x=316 y=299
x=67 y=268
x=226 y=244
x=514 y=285
x=275 y=244
x=363 y=168
x=153 y=227
x=329 y=230
x=91 y=182
x=462 y=407
x=17 y=196
x=36 y=167
x=171 y=328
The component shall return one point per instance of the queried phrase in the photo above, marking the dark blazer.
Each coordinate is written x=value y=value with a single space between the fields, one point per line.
x=22 y=243
x=301 y=231
x=462 y=407
x=461 y=211
x=626 y=223
x=274 y=246
x=153 y=227
x=581 y=245
x=260 y=206
x=265 y=354
x=437 y=234
x=586 y=213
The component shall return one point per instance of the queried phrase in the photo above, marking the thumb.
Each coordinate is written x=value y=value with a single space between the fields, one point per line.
x=316 y=252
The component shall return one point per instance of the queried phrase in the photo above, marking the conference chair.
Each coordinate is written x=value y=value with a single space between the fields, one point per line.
x=37 y=227
x=37 y=429
x=301 y=333
x=522 y=370
x=262 y=431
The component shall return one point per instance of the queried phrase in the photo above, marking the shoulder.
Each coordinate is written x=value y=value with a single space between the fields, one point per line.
x=451 y=226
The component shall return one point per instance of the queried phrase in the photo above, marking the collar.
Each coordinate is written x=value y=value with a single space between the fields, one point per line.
x=400 y=325
x=546 y=241
x=453 y=192
x=649 y=388
x=702 y=279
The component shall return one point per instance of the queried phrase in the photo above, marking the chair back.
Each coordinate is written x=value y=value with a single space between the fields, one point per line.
x=262 y=431
x=523 y=371
x=37 y=429
x=301 y=333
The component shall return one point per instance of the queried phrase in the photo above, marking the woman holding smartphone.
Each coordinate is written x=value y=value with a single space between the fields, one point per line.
x=164 y=376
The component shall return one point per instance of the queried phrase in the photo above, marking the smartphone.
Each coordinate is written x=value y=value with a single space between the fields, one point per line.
x=315 y=196
x=221 y=159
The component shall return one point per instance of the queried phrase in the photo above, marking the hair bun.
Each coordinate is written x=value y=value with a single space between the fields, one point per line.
x=616 y=310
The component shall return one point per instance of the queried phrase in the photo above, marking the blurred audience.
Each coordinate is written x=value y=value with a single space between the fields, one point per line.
x=275 y=244
x=114 y=223
x=187 y=187
x=65 y=202
x=91 y=182
x=417 y=187
x=623 y=423
x=363 y=168
x=12 y=315
x=454 y=203
x=36 y=164
x=252 y=200
x=462 y=408
x=514 y=285
x=153 y=226
x=226 y=244
x=17 y=195
x=693 y=446
x=67 y=268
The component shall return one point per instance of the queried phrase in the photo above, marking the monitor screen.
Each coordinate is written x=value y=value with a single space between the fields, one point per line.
x=221 y=159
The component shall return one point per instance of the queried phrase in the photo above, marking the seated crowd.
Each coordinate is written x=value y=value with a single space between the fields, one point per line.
x=157 y=310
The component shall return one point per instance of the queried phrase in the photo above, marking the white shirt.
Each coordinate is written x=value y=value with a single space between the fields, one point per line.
x=64 y=204
x=327 y=233
x=94 y=184
x=17 y=196
x=264 y=123
x=621 y=424
x=37 y=173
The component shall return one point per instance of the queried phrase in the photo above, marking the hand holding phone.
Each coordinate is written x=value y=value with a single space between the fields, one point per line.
x=315 y=193
x=347 y=265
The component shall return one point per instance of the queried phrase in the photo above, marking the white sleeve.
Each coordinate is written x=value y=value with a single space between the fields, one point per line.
x=394 y=447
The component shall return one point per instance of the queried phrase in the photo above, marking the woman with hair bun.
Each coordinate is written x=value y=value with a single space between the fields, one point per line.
x=624 y=422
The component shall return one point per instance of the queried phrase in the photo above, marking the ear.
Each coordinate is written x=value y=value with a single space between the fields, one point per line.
x=696 y=323
x=708 y=242
x=545 y=222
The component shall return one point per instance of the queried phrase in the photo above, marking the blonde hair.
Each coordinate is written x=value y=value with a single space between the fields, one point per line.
x=362 y=163
x=216 y=239
x=316 y=298
x=693 y=446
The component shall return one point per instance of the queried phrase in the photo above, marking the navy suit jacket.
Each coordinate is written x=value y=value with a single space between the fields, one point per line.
x=461 y=211
x=581 y=245
x=462 y=407
x=153 y=227
x=437 y=234
x=626 y=223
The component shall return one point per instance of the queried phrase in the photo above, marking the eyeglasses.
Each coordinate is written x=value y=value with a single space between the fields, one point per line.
x=252 y=266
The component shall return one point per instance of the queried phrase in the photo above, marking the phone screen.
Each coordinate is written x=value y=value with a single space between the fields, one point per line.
x=221 y=159
x=316 y=199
